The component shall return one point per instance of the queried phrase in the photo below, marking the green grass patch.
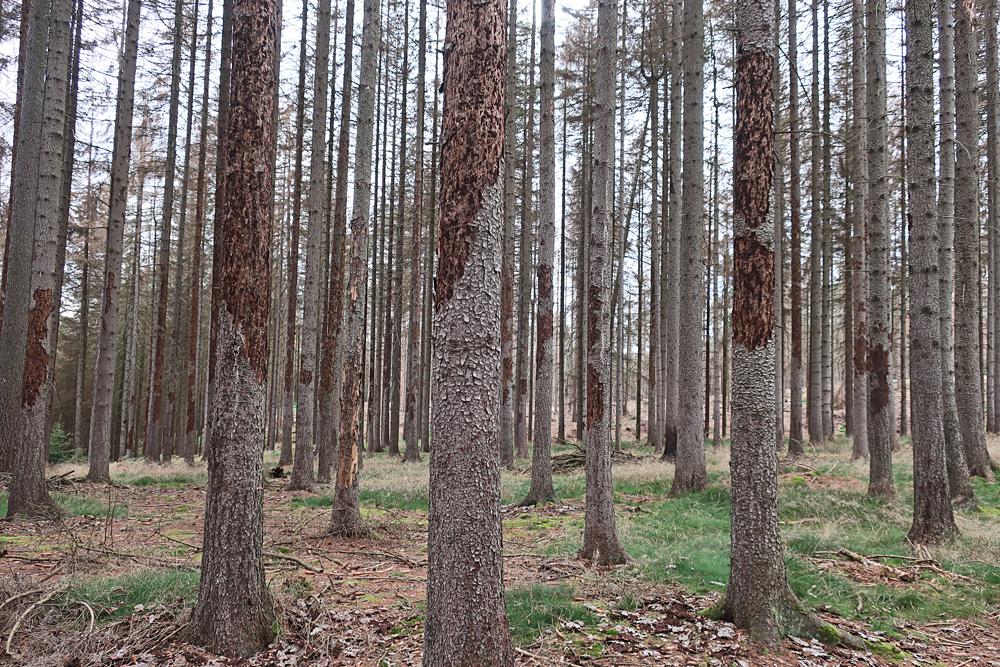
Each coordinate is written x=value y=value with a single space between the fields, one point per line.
x=370 y=498
x=115 y=597
x=532 y=609
x=75 y=505
x=173 y=481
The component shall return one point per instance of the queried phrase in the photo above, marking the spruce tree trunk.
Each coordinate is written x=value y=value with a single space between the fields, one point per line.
x=466 y=620
x=107 y=339
x=932 y=513
x=414 y=374
x=157 y=425
x=691 y=474
x=302 y=470
x=758 y=597
x=31 y=267
x=668 y=392
x=827 y=240
x=993 y=190
x=880 y=427
x=857 y=156
x=795 y=436
x=814 y=390
x=345 y=519
x=542 y=490
x=288 y=418
x=130 y=377
x=958 y=472
x=968 y=380
x=507 y=264
x=234 y=614
x=81 y=354
x=600 y=536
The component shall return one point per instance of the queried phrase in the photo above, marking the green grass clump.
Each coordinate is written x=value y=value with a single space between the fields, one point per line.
x=370 y=498
x=75 y=505
x=173 y=481
x=114 y=597
x=532 y=609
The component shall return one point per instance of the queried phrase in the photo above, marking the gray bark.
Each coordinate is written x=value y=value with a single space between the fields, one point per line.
x=857 y=155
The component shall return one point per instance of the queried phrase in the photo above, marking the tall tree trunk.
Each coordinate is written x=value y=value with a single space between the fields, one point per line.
x=670 y=297
x=968 y=391
x=827 y=240
x=130 y=376
x=880 y=482
x=542 y=490
x=156 y=427
x=691 y=474
x=958 y=472
x=79 y=443
x=561 y=432
x=600 y=536
x=234 y=614
x=814 y=390
x=795 y=437
x=932 y=513
x=346 y=518
x=507 y=263
x=33 y=231
x=414 y=374
x=857 y=154
x=302 y=469
x=758 y=597
x=993 y=190
x=466 y=620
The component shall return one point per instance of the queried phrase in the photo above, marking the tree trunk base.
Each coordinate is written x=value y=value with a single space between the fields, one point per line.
x=537 y=498
x=685 y=483
x=770 y=623
x=883 y=489
x=602 y=552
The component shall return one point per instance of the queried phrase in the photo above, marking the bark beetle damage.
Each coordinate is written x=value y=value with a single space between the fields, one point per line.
x=753 y=293
x=473 y=129
x=506 y=333
x=595 y=387
x=245 y=270
x=305 y=376
x=36 y=361
x=878 y=367
x=544 y=277
x=859 y=347
x=753 y=263
x=110 y=278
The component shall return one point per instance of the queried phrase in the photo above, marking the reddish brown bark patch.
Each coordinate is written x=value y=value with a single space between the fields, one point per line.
x=36 y=360
x=110 y=280
x=753 y=293
x=753 y=263
x=471 y=154
x=595 y=387
x=878 y=368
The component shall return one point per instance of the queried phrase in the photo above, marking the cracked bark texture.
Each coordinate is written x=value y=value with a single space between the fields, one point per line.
x=758 y=597
x=345 y=519
x=466 y=618
x=234 y=614
x=600 y=536
x=542 y=490
x=99 y=444
x=932 y=512
x=857 y=155
x=958 y=471
x=305 y=419
x=33 y=231
x=880 y=427
x=968 y=385
x=690 y=473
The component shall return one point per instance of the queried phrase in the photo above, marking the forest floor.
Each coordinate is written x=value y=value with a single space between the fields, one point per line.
x=112 y=582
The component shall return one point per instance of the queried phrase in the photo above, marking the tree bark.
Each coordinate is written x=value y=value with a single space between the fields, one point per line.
x=600 y=536
x=466 y=620
x=932 y=513
x=880 y=482
x=795 y=436
x=234 y=614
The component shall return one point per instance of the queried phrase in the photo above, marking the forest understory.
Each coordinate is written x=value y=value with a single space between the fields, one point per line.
x=113 y=581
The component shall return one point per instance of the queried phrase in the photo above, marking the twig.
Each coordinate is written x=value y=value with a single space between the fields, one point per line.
x=93 y=617
x=293 y=559
x=37 y=603
x=23 y=594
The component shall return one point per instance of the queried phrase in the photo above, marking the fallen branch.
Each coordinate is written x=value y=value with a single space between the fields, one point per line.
x=27 y=612
x=293 y=559
x=23 y=594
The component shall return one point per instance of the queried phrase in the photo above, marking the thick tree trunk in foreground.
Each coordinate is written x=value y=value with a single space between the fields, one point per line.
x=29 y=306
x=600 y=536
x=758 y=597
x=466 y=619
x=107 y=341
x=234 y=614
x=968 y=377
x=691 y=474
x=932 y=513
x=880 y=427
x=542 y=490
x=346 y=518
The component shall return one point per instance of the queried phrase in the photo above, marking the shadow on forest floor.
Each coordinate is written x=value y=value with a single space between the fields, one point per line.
x=122 y=567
